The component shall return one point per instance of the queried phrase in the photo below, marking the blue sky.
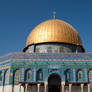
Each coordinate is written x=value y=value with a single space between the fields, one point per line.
x=19 y=17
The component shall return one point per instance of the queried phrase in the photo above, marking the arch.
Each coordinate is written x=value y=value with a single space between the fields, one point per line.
x=49 y=49
x=79 y=75
x=54 y=83
x=39 y=75
x=6 y=78
x=37 y=50
x=28 y=74
x=1 y=76
x=90 y=75
x=16 y=76
x=61 y=49
x=68 y=75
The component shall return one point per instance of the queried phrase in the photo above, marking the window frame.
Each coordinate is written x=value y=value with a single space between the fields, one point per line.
x=40 y=75
x=16 y=78
x=79 y=75
x=26 y=74
x=90 y=77
x=68 y=74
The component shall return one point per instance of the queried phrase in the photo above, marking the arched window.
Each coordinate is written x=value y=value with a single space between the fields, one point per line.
x=90 y=75
x=16 y=76
x=79 y=75
x=40 y=74
x=49 y=49
x=1 y=77
x=61 y=49
x=7 y=76
x=28 y=75
x=68 y=75
x=37 y=50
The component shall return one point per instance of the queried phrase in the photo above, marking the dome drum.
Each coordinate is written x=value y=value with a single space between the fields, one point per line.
x=54 y=47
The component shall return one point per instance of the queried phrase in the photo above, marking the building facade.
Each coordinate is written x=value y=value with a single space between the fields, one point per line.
x=53 y=60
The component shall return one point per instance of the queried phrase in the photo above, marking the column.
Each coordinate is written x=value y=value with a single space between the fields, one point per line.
x=88 y=87
x=70 y=87
x=63 y=87
x=82 y=87
x=19 y=87
x=23 y=88
x=3 y=89
x=45 y=87
x=26 y=87
x=30 y=88
x=12 y=88
x=38 y=87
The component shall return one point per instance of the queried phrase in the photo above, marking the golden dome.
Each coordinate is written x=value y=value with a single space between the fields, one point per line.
x=53 y=31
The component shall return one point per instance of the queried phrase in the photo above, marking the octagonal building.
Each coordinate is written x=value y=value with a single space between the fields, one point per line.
x=53 y=60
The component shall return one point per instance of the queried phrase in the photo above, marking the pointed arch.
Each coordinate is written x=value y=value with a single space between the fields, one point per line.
x=79 y=75
x=40 y=74
x=28 y=75
x=54 y=83
x=68 y=75
x=16 y=76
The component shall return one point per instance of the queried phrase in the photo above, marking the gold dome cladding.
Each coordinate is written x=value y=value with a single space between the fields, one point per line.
x=53 y=31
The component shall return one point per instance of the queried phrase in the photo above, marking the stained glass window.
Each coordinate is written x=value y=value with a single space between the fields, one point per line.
x=79 y=75
x=0 y=77
x=6 y=76
x=90 y=75
x=16 y=76
x=28 y=74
